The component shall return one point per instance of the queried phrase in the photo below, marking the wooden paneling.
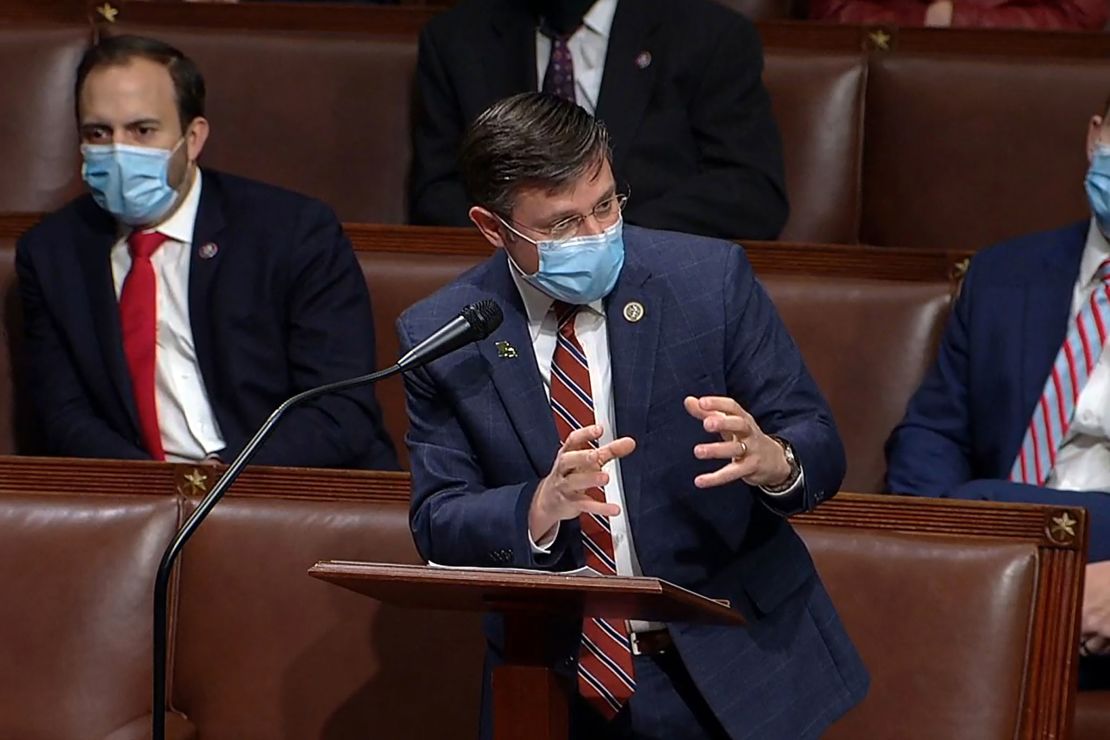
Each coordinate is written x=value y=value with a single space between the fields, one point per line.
x=887 y=263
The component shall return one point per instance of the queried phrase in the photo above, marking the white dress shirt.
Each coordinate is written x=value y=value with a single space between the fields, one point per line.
x=590 y=328
x=185 y=417
x=588 y=46
x=1083 y=463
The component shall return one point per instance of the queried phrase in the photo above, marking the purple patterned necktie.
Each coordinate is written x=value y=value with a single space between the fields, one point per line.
x=559 y=77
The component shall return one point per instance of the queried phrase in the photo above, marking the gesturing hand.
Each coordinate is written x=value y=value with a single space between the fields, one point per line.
x=577 y=468
x=752 y=456
x=1095 y=628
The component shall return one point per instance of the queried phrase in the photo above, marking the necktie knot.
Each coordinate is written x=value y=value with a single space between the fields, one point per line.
x=564 y=316
x=1103 y=272
x=143 y=244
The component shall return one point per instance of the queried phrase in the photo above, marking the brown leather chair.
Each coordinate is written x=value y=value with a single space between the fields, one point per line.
x=262 y=650
x=1092 y=715
x=867 y=343
x=961 y=152
x=38 y=132
x=818 y=102
x=966 y=613
x=77 y=572
x=325 y=114
x=947 y=614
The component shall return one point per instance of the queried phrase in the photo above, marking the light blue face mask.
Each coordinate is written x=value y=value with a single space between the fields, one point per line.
x=580 y=270
x=1098 y=187
x=130 y=182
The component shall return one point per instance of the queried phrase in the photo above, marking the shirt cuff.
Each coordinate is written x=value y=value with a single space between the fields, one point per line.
x=798 y=484
x=543 y=547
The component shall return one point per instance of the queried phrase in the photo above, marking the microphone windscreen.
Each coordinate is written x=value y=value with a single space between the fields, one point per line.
x=483 y=316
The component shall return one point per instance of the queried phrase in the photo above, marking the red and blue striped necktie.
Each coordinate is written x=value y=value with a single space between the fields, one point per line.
x=606 y=678
x=1052 y=416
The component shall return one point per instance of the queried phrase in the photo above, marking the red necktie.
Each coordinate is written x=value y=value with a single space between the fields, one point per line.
x=606 y=677
x=139 y=321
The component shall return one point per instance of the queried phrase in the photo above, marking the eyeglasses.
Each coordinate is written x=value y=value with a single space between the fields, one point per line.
x=605 y=213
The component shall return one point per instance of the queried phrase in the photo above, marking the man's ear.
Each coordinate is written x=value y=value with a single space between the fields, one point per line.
x=488 y=224
x=195 y=138
x=1094 y=133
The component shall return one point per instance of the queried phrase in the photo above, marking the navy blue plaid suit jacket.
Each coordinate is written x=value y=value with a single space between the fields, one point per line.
x=482 y=436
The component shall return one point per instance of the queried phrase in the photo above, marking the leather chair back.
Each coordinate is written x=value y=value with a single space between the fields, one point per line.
x=38 y=130
x=818 y=102
x=263 y=650
x=77 y=572
x=947 y=646
x=868 y=344
x=961 y=152
x=324 y=114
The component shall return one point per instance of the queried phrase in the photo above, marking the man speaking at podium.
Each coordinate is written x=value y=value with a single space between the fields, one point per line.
x=643 y=411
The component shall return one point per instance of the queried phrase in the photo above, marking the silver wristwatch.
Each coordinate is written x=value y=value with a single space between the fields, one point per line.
x=795 y=468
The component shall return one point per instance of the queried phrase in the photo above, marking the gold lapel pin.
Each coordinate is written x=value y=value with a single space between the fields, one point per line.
x=505 y=350
x=633 y=311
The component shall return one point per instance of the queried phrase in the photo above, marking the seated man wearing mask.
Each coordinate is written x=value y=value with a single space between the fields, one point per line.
x=677 y=83
x=1017 y=406
x=641 y=410
x=168 y=312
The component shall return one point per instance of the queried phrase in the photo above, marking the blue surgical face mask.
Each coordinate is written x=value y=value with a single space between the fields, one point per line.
x=130 y=182
x=580 y=270
x=1098 y=187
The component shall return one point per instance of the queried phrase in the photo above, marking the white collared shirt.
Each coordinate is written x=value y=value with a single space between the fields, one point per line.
x=593 y=335
x=185 y=417
x=1083 y=463
x=588 y=47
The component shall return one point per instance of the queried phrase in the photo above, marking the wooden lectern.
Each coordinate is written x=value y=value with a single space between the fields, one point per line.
x=528 y=699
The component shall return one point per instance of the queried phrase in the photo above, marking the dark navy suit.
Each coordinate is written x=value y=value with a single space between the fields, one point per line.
x=281 y=307
x=964 y=426
x=482 y=436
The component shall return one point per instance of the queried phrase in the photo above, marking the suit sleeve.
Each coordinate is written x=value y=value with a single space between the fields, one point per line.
x=456 y=518
x=929 y=452
x=330 y=337
x=896 y=12
x=767 y=376
x=437 y=196
x=1088 y=15
x=739 y=190
x=70 y=423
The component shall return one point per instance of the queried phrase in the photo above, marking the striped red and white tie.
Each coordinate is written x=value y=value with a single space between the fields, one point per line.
x=606 y=678
x=1074 y=364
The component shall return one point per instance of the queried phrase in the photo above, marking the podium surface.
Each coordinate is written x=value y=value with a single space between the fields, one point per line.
x=529 y=700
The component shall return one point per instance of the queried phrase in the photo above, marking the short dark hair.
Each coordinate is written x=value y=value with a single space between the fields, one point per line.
x=531 y=139
x=188 y=83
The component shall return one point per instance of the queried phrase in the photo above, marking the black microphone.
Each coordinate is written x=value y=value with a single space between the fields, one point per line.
x=475 y=322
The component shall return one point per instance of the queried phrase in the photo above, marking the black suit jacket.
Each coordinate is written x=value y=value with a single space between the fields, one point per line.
x=281 y=307
x=693 y=133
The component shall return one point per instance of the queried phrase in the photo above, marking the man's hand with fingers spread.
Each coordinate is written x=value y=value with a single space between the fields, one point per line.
x=563 y=494
x=752 y=456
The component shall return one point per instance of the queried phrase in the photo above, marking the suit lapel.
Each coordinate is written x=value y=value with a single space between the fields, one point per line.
x=629 y=73
x=204 y=260
x=1047 y=320
x=94 y=254
x=511 y=68
x=632 y=350
x=517 y=379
